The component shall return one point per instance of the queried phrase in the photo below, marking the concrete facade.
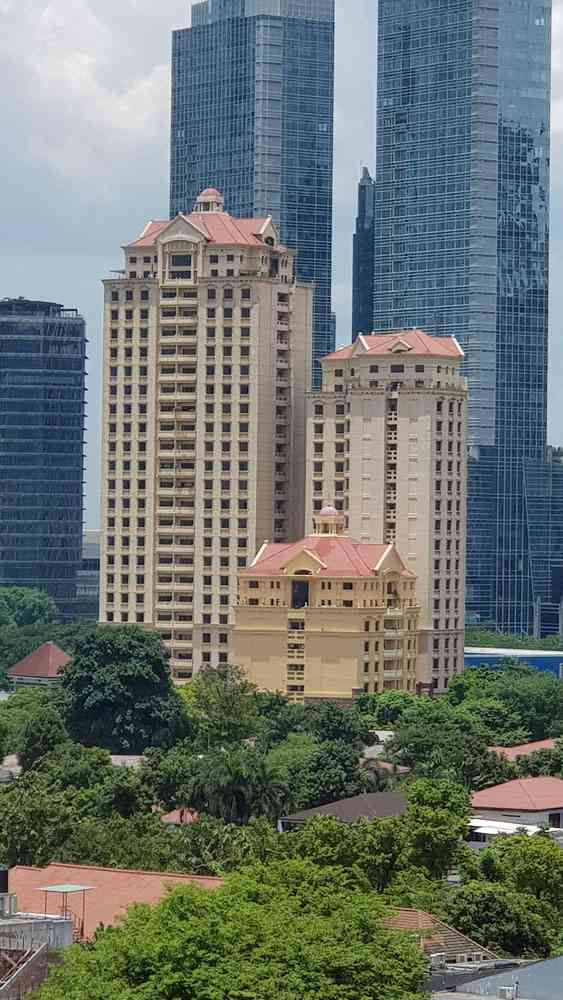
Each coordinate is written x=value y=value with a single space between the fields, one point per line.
x=386 y=439
x=207 y=357
x=327 y=617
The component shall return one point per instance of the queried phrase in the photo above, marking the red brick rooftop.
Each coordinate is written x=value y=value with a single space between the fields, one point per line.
x=45 y=663
x=523 y=795
x=217 y=227
x=113 y=889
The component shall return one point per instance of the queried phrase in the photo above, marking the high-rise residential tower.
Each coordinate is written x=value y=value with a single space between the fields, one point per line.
x=42 y=418
x=252 y=114
x=387 y=439
x=206 y=364
x=461 y=247
x=364 y=238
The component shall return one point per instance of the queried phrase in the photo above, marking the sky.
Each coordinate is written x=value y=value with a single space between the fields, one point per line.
x=85 y=127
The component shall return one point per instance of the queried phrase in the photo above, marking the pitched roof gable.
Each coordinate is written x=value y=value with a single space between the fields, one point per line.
x=522 y=795
x=337 y=556
x=414 y=342
x=46 y=662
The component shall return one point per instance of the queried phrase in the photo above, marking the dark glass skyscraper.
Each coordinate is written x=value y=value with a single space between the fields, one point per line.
x=252 y=115
x=364 y=238
x=42 y=415
x=461 y=247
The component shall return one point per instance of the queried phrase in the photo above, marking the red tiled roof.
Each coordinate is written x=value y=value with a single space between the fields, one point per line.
x=217 y=227
x=210 y=193
x=524 y=749
x=418 y=344
x=337 y=555
x=443 y=937
x=113 y=889
x=45 y=662
x=522 y=795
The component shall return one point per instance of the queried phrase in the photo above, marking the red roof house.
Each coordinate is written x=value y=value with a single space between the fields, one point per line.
x=40 y=667
x=332 y=556
x=524 y=749
x=108 y=891
x=530 y=800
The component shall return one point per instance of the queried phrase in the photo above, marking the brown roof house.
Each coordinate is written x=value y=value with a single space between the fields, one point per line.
x=535 y=801
x=43 y=666
x=371 y=806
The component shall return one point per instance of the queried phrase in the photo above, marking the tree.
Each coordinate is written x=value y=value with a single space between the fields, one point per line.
x=371 y=851
x=536 y=698
x=237 y=785
x=43 y=732
x=504 y=920
x=278 y=719
x=440 y=794
x=542 y=763
x=220 y=707
x=330 y=723
x=414 y=888
x=119 y=693
x=23 y=606
x=318 y=773
x=386 y=708
x=35 y=821
x=531 y=865
x=290 y=931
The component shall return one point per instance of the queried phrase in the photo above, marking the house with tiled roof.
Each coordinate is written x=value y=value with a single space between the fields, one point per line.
x=43 y=666
x=317 y=618
x=526 y=801
x=437 y=938
x=92 y=895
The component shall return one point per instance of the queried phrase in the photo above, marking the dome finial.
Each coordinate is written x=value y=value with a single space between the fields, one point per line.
x=329 y=521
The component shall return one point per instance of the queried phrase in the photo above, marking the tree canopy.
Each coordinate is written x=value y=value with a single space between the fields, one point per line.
x=289 y=930
x=119 y=693
x=23 y=606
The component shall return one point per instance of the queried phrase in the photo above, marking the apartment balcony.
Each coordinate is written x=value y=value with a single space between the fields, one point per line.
x=392 y=654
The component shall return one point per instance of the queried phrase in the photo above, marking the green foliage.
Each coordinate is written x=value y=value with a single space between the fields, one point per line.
x=21 y=606
x=220 y=707
x=431 y=739
x=279 y=719
x=542 y=763
x=387 y=708
x=43 y=732
x=35 y=820
x=288 y=931
x=236 y=786
x=415 y=889
x=496 y=640
x=504 y=920
x=20 y=708
x=330 y=723
x=119 y=693
x=533 y=697
x=440 y=794
x=318 y=773
x=532 y=865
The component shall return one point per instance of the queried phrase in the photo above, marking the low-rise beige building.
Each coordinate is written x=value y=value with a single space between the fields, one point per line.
x=387 y=439
x=327 y=616
x=207 y=359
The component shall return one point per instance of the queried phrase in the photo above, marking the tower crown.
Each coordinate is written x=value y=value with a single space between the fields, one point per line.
x=329 y=521
x=210 y=200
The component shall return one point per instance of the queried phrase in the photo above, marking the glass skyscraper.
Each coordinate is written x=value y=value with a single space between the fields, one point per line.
x=42 y=416
x=252 y=115
x=364 y=237
x=461 y=247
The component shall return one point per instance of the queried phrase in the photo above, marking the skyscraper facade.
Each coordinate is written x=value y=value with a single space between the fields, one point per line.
x=461 y=247
x=206 y=365
x=42 y=417
x=364 y=239
x=252 y=114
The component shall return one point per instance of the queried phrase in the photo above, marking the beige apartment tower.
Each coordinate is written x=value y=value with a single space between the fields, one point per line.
x=207 y=343
x=327 y=617
x=387 y=441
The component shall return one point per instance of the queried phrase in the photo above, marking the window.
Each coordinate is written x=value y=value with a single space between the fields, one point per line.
x=181 y=260
x=397 y=369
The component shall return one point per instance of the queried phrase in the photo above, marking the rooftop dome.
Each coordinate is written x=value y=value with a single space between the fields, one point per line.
x=329 y=511
x=210 y=200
